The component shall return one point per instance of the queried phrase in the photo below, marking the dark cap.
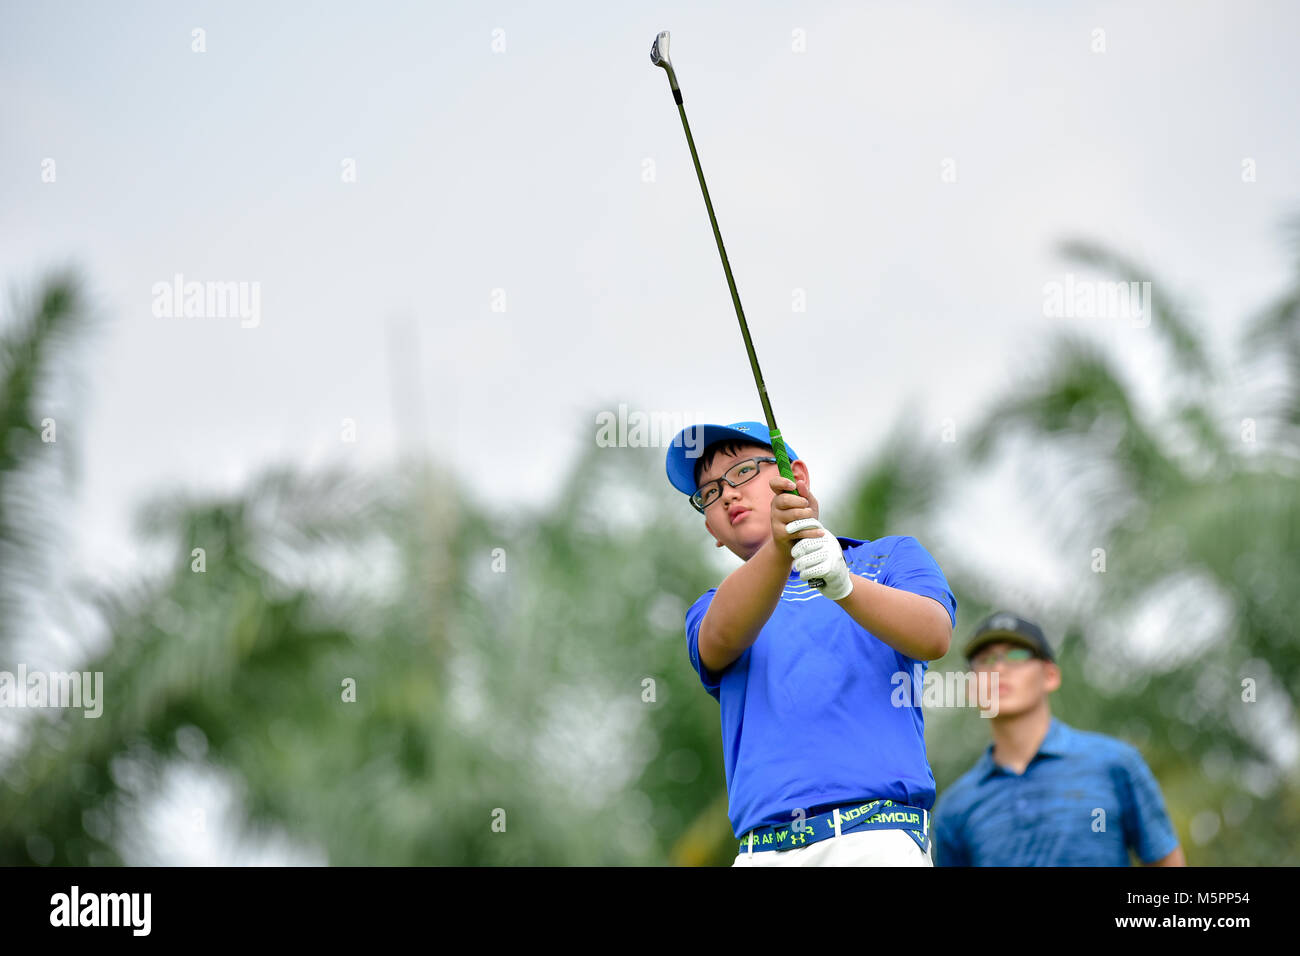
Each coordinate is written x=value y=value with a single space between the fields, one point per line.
x=1004 y=626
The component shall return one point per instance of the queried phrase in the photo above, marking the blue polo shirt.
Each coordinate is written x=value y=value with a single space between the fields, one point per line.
x=806 y=712
x=1083 y=800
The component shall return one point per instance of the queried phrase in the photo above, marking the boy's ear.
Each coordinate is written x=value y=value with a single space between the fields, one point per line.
x=800 y=470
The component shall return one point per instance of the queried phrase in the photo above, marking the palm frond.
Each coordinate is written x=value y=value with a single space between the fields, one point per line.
x=1079 y=397
x=898 y=485
x=34 y=349
x=1168 y=317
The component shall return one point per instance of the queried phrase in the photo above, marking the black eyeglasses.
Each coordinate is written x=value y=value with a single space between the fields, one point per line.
x=742 y=471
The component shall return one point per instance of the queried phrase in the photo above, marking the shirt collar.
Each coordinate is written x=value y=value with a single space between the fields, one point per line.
x=986 y=767
x=1057 y=743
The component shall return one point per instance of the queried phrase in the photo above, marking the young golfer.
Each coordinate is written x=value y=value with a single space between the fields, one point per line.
x=1045 y=794
x=822 y=768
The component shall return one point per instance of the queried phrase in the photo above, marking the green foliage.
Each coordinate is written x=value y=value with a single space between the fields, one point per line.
x=1202 y=540
x=33 y=347
x=528 y=667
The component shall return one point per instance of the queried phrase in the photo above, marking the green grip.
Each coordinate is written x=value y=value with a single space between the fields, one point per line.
x=783 y=463
x=782 y=459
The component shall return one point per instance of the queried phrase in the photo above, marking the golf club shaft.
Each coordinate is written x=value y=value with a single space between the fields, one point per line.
x=778 y=444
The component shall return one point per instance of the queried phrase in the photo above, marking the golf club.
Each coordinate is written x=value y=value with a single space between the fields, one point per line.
x=659 y=57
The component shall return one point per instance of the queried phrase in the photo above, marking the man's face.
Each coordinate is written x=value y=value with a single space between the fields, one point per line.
x=741 y=519
x=1021 y=685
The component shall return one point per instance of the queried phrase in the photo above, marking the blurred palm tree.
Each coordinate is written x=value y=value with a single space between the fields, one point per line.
x=1195 y=508
x=522 y=690
x=34 y=362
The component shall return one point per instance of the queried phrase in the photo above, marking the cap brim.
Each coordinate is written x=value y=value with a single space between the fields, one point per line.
x=1009 y=637
x=689 y=445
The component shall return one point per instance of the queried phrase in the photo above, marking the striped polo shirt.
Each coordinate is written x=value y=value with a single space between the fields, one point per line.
x=1085 y=799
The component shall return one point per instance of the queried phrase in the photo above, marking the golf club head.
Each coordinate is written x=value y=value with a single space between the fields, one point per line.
x=659 y=51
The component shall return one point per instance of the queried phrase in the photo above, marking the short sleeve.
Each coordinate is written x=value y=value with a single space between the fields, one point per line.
x=694 y=618
x=1146 y=824
x=949 y=848
x=910 y=568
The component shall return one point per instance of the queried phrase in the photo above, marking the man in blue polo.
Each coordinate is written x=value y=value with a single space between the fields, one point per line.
x=822 y=768
x=1045 y=794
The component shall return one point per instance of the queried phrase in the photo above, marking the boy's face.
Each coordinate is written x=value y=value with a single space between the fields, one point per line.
x=1022 y=685
x=741 y=518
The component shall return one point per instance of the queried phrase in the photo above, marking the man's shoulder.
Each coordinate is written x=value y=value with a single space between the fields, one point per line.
x=1102 y=753
x=1097 y=744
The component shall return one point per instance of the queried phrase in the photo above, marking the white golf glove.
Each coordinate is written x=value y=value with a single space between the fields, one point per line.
x=821 y=558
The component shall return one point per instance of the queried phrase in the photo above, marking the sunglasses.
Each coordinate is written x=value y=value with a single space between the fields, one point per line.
x=1015 y=655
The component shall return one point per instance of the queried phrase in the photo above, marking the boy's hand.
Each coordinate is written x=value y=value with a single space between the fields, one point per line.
x=792 y=502
x=823 y=558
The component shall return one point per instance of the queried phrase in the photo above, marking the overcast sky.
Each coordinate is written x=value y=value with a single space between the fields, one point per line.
x=534 y=149
x=907 y=168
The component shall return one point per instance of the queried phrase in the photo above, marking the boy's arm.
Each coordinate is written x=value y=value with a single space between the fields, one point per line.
x=913 y=625
x=742 y=605
x=746 y=599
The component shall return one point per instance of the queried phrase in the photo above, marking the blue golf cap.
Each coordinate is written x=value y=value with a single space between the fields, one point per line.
x=687 y=448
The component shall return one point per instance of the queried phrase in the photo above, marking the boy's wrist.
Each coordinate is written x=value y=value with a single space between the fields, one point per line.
x=851 y=584
x=780 y=555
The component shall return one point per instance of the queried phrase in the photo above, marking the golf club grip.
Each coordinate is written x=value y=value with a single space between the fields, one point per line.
x=783 y=463
x=782 y=456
